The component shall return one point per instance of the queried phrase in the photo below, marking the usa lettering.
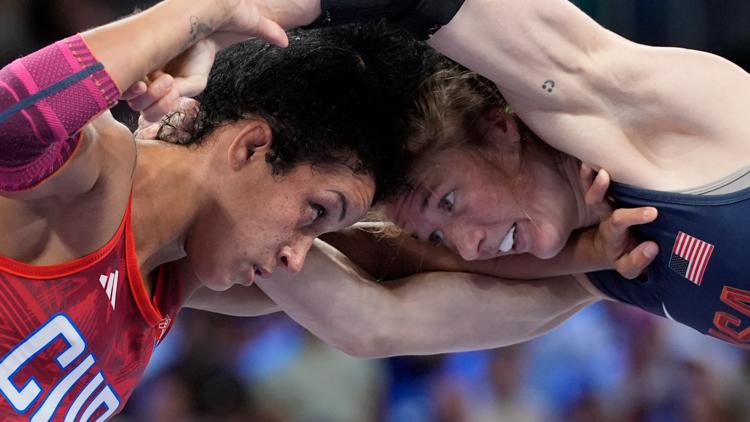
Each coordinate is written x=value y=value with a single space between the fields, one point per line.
x=23 y=394
x=727 y=326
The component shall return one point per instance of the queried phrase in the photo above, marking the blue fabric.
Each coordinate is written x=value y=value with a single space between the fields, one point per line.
x=720 y=220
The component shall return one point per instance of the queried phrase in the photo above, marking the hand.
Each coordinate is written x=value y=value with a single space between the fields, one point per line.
x=613 y=239
x=290 y=13
x=184 y=76
x=174 y=126
x=264 y=19
x=596 y=185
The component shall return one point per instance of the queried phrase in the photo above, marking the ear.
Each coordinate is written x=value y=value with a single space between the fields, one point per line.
x=251 y=141
x=501 y=128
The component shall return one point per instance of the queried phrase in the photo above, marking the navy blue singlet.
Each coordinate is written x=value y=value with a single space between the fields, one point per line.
x=701 y=277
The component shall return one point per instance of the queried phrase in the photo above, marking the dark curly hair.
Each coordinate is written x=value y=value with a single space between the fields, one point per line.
x=336 y=96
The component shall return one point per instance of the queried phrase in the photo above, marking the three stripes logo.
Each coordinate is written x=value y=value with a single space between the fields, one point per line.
x=109 y=283
x=690 y=257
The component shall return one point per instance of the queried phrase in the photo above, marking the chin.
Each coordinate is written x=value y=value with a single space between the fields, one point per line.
x=215 y=281
x=219 y=286
x=549 y=247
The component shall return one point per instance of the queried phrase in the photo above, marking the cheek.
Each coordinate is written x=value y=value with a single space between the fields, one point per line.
x=552 y=241
x=490 y=205
x=550 y=235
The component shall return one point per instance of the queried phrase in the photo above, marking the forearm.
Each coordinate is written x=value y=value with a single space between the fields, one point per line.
x=241 y=301
x=47 y=97
x=579 y=256
x=387 y=258
x=132 y=47
x=45 y=100
x=423 y=314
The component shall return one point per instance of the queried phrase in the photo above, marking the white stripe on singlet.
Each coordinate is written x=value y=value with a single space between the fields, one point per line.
x=735 y=182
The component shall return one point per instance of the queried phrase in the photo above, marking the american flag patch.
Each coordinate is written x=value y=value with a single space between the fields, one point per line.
x=690 y=257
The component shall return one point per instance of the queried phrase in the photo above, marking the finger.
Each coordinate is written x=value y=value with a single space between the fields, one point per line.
x=159 y=88
x=598 y=189
x=138 y=88
x=156 y=74
x=191 y=86
x=624 y=218
x=271 y=31
x=147 y=132
x=632 y=264
x=159 y=109
x=587 y=174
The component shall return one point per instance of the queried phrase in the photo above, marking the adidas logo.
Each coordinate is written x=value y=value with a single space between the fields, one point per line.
x=109 y=283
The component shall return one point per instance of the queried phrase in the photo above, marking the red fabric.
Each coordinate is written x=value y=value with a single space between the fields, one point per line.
x=116 y=340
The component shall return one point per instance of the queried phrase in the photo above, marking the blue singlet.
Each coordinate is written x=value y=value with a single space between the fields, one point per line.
x=701 y=277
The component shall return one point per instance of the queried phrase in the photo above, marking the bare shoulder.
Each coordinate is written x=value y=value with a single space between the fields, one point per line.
x=78 y=209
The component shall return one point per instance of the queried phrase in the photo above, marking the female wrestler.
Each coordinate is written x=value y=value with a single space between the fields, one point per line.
x=666 y=123
x=104 y=239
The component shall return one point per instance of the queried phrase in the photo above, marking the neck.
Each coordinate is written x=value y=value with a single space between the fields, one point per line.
x=166 y=201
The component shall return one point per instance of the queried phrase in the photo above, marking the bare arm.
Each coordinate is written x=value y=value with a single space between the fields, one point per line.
x=423 y=314
x=607 y=246
x=427 y=312
x=614 y=104
x=63 y=168
x=392 y=257
x=242 y=301
x=48 y=97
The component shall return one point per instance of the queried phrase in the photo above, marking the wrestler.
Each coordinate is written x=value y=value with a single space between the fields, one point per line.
x=104 y=239
x=665 y=122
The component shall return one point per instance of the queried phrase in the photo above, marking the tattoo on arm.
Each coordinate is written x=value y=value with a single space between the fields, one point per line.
x=548 y=85
x=198 y=30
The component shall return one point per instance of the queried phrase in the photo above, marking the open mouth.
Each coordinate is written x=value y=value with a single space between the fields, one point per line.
x=509 y=241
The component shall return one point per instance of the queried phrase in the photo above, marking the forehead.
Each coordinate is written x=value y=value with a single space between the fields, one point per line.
x=357 y=188
x=444 y=166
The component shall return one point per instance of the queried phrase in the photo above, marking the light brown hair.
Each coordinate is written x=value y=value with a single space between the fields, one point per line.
x=450 y=106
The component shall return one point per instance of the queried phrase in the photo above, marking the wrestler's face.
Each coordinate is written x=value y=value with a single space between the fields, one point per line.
x=496 y=200
x=260 y=222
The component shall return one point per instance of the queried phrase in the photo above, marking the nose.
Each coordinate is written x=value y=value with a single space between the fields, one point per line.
x=292 y=256
x=465 y=240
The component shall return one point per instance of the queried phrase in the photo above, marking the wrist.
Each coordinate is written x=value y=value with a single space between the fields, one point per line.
x=590 y=250
x=291 y=14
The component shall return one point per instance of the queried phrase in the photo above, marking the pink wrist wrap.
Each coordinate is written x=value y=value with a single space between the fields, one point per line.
x=46 y=98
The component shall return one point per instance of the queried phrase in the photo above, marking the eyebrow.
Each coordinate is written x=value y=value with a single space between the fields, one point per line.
x=425 y=200
x=425 y=195
x=344 y=204
x=428 y=190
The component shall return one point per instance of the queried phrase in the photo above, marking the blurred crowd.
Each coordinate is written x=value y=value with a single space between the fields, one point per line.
x=609 y=363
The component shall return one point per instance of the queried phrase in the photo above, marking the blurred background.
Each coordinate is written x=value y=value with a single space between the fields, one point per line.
x=609 y=363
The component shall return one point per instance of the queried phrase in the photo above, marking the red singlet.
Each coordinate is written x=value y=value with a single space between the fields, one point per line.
x=75 y=338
